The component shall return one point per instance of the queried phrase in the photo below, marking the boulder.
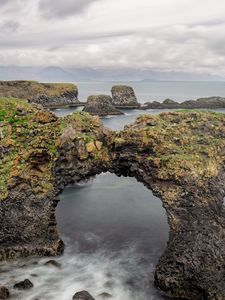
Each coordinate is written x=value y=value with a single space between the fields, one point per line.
x=101 y=105
x=105 y=295
x=124 y=96
x=4 y=293
x=53 y=263
x=83 y=295
x=23 y=285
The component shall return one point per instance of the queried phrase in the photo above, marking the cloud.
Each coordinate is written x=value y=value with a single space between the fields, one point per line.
x=9 y=26
x=143 y=34
x=59 y=8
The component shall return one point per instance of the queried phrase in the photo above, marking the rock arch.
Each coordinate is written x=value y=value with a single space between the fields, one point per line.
x=179 y=156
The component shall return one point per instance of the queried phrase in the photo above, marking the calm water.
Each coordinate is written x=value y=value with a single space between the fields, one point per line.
x=114 y=229
x=148 y=91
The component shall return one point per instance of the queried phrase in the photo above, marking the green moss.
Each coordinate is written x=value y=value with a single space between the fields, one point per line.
x=32 y=89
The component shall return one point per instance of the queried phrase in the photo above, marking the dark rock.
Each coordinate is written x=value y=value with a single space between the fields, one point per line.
x=124 y=96
x=101 y=105
x=4 y=293
x=23 y=285
x=105 y=295
x=83 y=295
x=177 y=155
x=53 y=263
x=207 y=103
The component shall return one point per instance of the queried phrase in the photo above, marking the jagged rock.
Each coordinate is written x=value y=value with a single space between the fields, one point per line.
x=83 y=295
x=53 y=263
x=101 y=105
x=178 y=155
x=124 y=96
x=48 y=95
x=4 y=293
x=23 y=285
x=207 y=103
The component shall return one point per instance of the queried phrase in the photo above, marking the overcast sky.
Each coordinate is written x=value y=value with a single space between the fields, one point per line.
x=177 y=35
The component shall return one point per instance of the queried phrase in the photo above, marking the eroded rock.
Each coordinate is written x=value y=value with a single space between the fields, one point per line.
x=179 y=156
x=101 y=105
x=124 y=96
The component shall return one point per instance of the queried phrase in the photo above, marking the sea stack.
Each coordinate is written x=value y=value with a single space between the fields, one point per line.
x=101 y=105
x=124 y=96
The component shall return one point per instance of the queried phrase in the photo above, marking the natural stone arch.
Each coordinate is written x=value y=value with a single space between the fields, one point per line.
x=179 y=156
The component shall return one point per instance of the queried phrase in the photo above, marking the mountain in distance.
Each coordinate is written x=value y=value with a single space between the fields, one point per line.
x=58 y=74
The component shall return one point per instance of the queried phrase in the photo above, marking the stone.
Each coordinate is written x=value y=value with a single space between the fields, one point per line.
x=47 y=95
x=53 y=263
x=101 y=105
x=23 y=285
x=207 y=103
x=124 y=97
x=105 y=295
x=4 y=293
x=83 y=295
x=179 y=156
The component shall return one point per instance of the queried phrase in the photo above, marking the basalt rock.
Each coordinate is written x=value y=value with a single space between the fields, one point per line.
x=207 y=103
x=4 y=293
x=179 y=156
x=49 y=95
x=83 y=295
x=124 y=97
x=101 y=105
x=23 y=285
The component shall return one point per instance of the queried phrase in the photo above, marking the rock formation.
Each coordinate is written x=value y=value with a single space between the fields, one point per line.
x=101 y=105
x=49 y=95
x=208 y=103
x=124 y=97
x=179 y=156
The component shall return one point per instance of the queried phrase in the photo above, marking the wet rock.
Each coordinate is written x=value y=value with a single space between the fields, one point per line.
x=4 y=293
x=53 y=263
x=105 y=295
x=124 y=96
x=23 y=285
x=83 y=295
x=101 y=105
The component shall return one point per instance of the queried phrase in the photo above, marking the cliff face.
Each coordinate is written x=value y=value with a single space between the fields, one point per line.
x=101 y=105
x=210 y=103
x=179 y=156
x=50 y=95
x=123 y=96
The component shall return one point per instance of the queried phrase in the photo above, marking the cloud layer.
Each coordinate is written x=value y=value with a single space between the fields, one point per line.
x=167 y=35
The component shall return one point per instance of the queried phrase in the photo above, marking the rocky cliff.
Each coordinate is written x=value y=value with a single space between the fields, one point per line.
x=101 y=105
x=208 y=103
x=179 y=156
x=124 y=97
x=50 y=95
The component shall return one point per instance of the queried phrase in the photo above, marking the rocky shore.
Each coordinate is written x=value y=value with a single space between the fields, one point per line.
x=179 y=156
x=49 y=95
x=101 y=105
x=207 y=103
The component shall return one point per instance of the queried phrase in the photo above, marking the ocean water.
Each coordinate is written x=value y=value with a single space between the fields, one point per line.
x=114 y=229
x=149 y=91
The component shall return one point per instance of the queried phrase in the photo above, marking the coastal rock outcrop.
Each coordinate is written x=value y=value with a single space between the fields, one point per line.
x=4 y=293
x=179 y=156
x=83 y=295
x=124 y=97
x=101 y=105
x=208 y=103
x=49 y=95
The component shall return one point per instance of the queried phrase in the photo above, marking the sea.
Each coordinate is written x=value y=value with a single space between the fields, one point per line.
x=114 y=228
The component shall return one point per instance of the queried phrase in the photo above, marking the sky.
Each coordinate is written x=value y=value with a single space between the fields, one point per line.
x=163 y=35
